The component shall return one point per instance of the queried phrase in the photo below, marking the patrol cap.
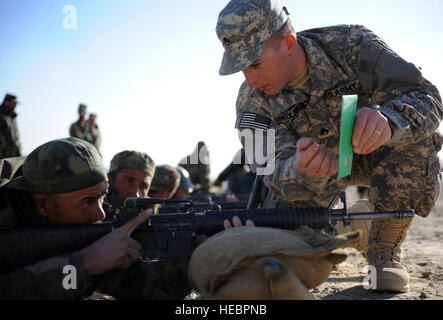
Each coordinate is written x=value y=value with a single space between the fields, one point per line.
x=61 y=166
x=10 y=98
x=243 y=27
x=166 y=178
x=82 y=107
x=130 y=159
x=185 y=180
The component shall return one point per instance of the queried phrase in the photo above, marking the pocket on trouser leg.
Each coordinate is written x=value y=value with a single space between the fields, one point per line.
x=431 y=187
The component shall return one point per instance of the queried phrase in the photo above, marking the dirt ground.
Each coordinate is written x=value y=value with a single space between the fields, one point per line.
x=423 y=253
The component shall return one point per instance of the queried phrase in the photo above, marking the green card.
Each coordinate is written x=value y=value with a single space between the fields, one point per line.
x=346 y=155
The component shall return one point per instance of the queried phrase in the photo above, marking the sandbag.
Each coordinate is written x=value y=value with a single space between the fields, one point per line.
x=253 y=263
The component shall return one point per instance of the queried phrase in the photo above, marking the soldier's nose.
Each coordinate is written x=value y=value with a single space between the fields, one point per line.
x=250 y=76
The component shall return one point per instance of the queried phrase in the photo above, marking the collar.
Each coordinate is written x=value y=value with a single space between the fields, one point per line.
x=321 y=67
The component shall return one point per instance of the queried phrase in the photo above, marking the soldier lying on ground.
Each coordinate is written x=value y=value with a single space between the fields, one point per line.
x=64 y=182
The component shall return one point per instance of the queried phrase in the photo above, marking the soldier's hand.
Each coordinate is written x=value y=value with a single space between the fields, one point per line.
x=116 y=249
x=315 y=160
x=236 y=222
x=371 y=130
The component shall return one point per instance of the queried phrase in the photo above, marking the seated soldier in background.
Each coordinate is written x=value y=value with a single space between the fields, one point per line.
x=63 y=182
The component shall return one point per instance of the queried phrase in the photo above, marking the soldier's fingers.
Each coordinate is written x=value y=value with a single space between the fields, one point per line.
x=316 y=162
x=326 y=165
x=334 y=165
x=236 y=221
x=249 y=223
x=132 y=224
x=380 y=138
x=305 y=158
x=304 y=143
x=361 y=118
x=125 y=261
x=134 y=244
x=367 y=137
x=227 y=224
x=133 y=254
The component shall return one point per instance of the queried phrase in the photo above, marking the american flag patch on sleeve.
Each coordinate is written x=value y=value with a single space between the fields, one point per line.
x=251 y=120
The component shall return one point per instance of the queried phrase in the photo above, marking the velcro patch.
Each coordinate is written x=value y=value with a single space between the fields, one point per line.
x=251 y=120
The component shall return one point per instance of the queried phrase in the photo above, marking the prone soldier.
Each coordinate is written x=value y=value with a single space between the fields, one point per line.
x=64 y=182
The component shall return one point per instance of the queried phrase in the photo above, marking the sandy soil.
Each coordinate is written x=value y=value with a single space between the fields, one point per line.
x=423 y=253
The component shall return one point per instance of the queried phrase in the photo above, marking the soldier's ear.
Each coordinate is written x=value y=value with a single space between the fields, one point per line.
x=290 y=43
x=109 y=179
x=43 y=203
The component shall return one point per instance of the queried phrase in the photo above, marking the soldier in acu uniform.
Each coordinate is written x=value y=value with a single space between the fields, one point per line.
x=9 y=136
x=294 y=84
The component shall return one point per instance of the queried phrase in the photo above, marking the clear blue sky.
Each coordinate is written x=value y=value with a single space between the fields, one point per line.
x=149 y=69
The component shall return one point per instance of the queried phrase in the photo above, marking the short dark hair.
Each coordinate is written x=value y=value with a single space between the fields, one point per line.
x=282 y=32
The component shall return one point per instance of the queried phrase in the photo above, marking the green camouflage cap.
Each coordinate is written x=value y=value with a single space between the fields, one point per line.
x=10 y=98
x=243 y=27
x=166 y=178
x=130 y=159
x=61 y=166
x=82 y=107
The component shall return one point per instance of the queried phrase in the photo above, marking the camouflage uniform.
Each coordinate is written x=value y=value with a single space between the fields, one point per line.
x=93 y=133
x=164 y=185
x=154 y=281
x=9 y=135
x=128 y=159
x=62 y=166
x=343 y=59
x=166 y=178
x=78 y=130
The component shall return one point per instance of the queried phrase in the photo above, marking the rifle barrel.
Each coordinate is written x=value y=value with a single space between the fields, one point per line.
x=401 y=214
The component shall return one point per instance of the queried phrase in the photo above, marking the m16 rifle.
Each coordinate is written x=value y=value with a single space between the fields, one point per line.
x=165 y=237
